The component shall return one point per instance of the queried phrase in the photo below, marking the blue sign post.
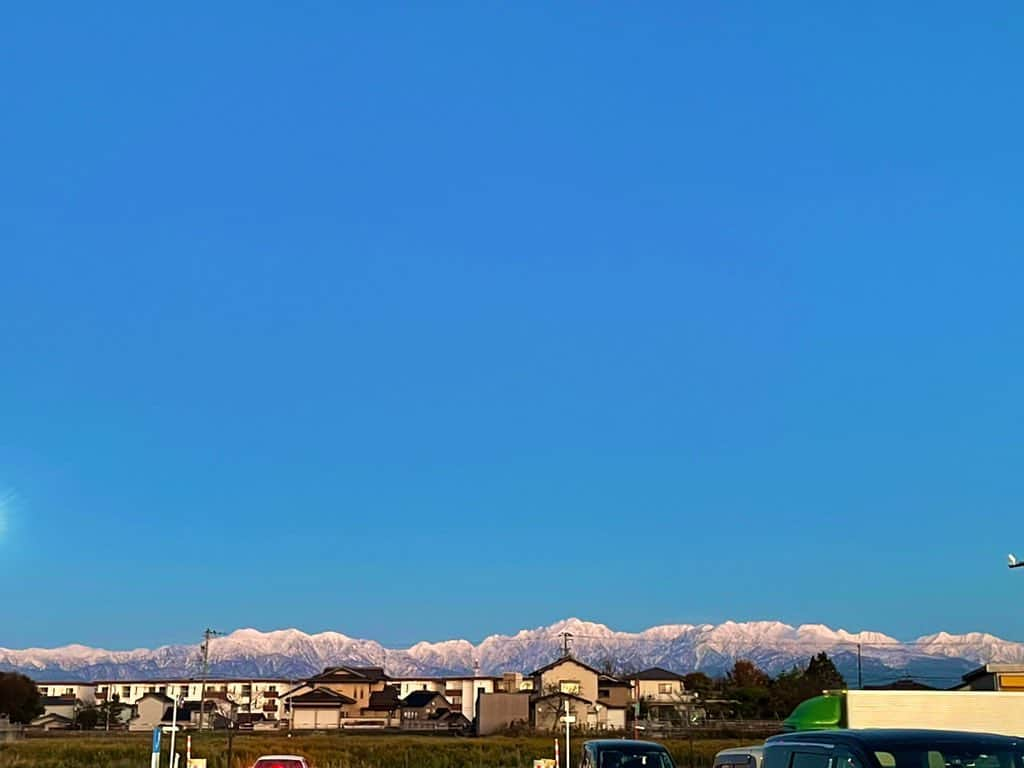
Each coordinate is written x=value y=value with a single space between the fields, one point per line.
x=154 y=761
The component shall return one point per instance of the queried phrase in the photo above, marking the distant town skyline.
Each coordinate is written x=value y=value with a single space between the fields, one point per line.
x=426 y=323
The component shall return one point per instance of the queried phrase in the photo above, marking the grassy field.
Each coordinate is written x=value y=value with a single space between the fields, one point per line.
x=323 y=751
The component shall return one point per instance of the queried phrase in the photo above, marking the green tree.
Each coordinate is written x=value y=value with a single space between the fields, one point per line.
x=110 y=713
x=746 y=674
x=823 y=673
x=750 y=687
x=698 y=682
x=19 y=698
x=789 y=689
x=87 y=718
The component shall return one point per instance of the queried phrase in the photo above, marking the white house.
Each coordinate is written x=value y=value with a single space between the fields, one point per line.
x=461 y=690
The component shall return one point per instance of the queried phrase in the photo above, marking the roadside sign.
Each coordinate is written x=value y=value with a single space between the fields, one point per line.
x=154 y=760
x=568 y=719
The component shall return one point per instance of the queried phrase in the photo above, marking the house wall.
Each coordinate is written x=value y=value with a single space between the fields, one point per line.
x=618 y=695
x=65 y=708
x=651 y=690
x=497 y=711
x=149 y=713
x=83 y=692
x=547 y=713
x=614 y=719
x=567 y=670
x=306 y=718
x=359 y=691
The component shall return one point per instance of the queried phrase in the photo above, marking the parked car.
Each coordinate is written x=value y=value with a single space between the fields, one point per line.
x=891 y=748
x=280 y=761
x=625 y=753
x=740 y=757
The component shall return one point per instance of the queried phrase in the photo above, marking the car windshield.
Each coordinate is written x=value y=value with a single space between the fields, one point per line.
x=635 y=758
x=960 y=755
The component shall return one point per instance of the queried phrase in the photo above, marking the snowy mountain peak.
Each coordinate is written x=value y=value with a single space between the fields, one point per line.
x=773 y=645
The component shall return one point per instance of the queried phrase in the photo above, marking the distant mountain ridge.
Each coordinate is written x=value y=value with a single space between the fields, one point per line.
x=289 y=653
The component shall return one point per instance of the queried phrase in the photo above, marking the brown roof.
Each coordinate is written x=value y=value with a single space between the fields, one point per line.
x=656 y=673
x=563 y=660
x=384 y=701
x=320 y=696
x=350 y=674
x=418 y=699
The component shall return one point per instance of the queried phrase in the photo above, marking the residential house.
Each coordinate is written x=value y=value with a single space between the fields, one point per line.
x=614 y=696
x=51 y=721
x=385 y=704
x=420 y=707
x=63 y=706
x=76 y=690
x=661 y=694
x=994 y=677
x=320 y=708
x=566 y=675
x=247 y=694
x=354 y=686
x=461 y=690
x=149 y=711
x=568 y=683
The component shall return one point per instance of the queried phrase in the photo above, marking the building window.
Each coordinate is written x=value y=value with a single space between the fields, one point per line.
x=604 y=693
x=126 y=691
x=247 y=690
x=569 y=686
x=664 y=687
x=69 y=691
x=271 y=689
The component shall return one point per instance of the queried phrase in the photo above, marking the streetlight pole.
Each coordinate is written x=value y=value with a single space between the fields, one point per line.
x=174 y=730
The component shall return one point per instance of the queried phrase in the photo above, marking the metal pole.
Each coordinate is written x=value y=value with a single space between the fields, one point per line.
x=568 y=725
x=860 y=674
x=174 y=726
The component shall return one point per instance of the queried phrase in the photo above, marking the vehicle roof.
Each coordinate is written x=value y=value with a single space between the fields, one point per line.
x=619 y=743
x=880 y=737
x=280 y=757
x=751 y=750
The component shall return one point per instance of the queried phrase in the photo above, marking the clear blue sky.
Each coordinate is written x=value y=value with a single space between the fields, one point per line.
x=421 y=322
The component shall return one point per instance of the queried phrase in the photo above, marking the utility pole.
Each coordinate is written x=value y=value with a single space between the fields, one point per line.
x=566 y=642
x=860 y=673
x=208 y=634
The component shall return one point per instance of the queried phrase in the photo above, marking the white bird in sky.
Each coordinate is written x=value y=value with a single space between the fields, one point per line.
x=1014 y=562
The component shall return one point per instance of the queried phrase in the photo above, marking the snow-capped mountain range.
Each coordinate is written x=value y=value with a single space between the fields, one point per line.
x=939 y=659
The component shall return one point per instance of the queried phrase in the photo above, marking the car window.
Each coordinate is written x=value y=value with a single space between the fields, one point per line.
x=614 y=758
x=734 y=761
x=809 y=760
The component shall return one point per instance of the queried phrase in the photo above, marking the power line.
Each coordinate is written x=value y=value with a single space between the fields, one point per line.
x=807 y=643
